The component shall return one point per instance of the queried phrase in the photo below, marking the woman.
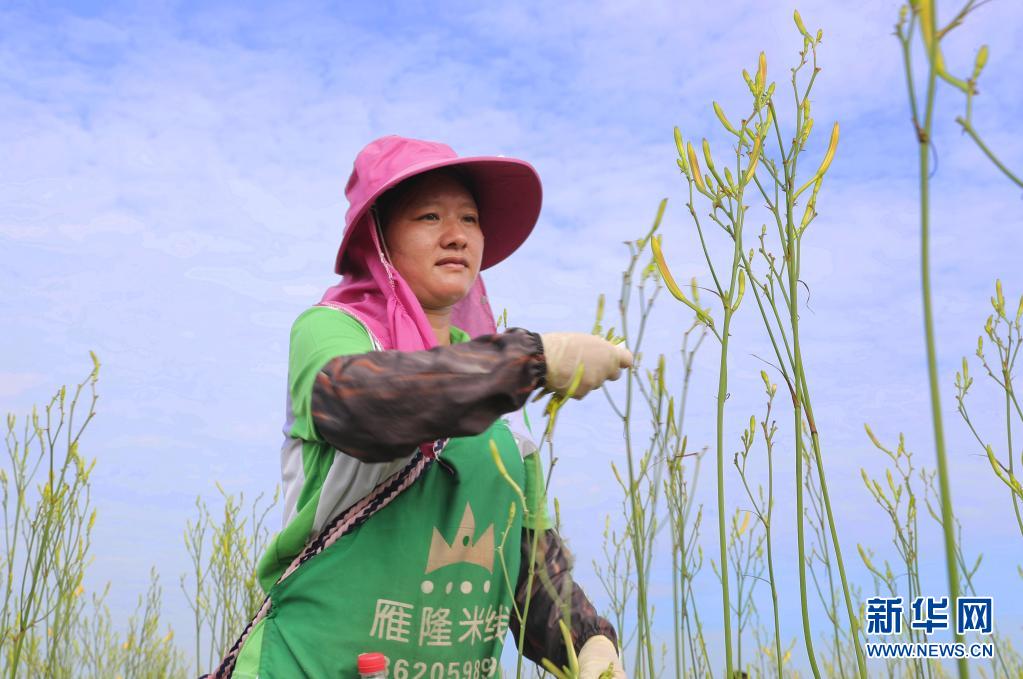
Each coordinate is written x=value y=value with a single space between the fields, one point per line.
x=421 y=544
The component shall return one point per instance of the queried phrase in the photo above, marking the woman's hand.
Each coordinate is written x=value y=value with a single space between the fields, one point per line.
x=598 y=659
x=566 y=351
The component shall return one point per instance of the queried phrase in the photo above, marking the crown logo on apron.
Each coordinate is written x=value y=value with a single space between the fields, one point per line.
x=462 y=549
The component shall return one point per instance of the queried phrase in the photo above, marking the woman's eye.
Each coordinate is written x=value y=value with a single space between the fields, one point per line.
x=429 y=216
x=472 y=219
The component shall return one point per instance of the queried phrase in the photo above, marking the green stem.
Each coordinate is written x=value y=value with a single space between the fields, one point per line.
x=770 y=560
x=636 y=509
x=529 y=595
x=679 y=640
x=739 y=625
x=968 y=128
x=1008 y=433
x=722 y=393
x=797 y=369
x=948 y=519
x=854 y=624
x=48 y=522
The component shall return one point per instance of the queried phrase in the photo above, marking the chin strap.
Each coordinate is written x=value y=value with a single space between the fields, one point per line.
x=385 y=257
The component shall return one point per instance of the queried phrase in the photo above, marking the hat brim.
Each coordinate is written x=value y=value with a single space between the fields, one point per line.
x=508 y=195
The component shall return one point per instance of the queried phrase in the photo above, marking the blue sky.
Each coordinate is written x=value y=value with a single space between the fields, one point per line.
x=171 y=197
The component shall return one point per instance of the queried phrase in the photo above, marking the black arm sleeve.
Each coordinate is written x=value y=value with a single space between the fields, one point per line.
x=380 y=405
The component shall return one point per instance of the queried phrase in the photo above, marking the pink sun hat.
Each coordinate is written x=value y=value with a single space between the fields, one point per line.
x=507 y=191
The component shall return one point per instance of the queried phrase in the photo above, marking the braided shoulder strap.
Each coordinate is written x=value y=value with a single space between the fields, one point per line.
x=343 y=524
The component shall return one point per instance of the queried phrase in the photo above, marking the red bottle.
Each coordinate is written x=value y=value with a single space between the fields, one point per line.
x=372 y=666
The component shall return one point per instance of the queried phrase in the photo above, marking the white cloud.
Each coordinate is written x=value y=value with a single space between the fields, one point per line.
x=173 y=197
x=14 y=383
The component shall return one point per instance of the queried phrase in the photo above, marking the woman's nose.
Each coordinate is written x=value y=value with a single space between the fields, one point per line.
x=454 y=233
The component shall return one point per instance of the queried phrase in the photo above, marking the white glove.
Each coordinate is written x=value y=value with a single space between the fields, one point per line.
x=596 y=655
x=566 y=351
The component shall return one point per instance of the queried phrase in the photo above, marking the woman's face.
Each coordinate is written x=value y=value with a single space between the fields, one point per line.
x=434 y=239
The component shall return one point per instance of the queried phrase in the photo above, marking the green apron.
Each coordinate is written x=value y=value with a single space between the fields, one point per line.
x=427 y=580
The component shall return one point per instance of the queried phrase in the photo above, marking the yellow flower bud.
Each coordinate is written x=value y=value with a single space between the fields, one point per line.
x=829 y=155
x=660 y=374
x=672 y=429
x=719 y=112
x=707 y=155
x=799 y=23
x=873 y=439
x=745 y=524
x=890 y=479
x=754 y=159
x=808 y=215
x=694 y=166
x=980 y=62
x=806 y=132
x=749 y=83
x=924 y=9
x=669 y=280
x=742 y=290
x=618 y=476
x=503 y=471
